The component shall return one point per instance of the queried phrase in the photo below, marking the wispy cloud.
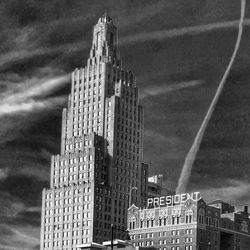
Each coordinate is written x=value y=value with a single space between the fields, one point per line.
x=23 y=100
x=160 y=90
x=35 y=87
x=231 y=191
x=25 y=237
x=19 y=237
x=5 y=247
x=10 y=205
x=29 y=106
x=3 y=173
x=172 y=33
x=16 y=55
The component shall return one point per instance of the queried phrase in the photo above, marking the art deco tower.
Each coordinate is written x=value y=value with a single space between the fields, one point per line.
x=94 y=178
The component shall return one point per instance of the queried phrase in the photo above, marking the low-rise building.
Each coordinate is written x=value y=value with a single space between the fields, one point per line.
x=187 y=222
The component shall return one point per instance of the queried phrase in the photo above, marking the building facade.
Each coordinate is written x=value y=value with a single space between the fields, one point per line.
x=156 y=188
x=100 y=167
x=234 y=226
x=186 y=222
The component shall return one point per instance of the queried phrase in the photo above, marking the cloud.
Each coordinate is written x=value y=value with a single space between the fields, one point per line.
x=17 y=56
x=22 y=101
x=172 y=33
x=3 y=173
x=5 y=247
x=232 y=191
x=18 y=237
x=42 y=86
x=10 y=205
x=25 y=237
x=160 y=90
x=6 y=109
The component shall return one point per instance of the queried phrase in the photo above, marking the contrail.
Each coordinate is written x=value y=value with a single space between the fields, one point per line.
x=177 y=32
x=155 y=91
x=187 y=167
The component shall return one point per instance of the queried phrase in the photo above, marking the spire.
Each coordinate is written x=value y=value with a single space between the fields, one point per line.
x=105 y=18
x=104 y=39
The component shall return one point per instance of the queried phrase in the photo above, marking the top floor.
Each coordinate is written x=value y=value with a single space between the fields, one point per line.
x=173 y=210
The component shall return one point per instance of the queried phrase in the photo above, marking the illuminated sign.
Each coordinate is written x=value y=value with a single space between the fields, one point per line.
x=172 y=200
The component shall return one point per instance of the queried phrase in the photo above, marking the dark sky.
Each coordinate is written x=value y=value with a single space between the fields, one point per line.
x=178 y=50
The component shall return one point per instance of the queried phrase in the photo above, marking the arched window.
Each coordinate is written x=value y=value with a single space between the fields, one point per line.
x=189 y=216
x=178 y=219
x=132 y=222
x=173 y=220
x=152 y=222
x=160 y=221
x=141 y=223
x=165 y=221
x=201 y=215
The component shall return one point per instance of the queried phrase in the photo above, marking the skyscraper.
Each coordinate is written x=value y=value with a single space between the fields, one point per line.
x=100 y=169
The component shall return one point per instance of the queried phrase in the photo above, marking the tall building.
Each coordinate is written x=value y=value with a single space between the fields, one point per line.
x=100 y=169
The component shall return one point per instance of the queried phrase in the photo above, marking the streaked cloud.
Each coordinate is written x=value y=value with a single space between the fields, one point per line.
x=19 y=237
x=23 y=100
x=6 y=247
x=232 y=191
x=35 y=87
x=172 y=33
x=29 y=106
x=26 y=237
x=3 y=173
x=164 y=89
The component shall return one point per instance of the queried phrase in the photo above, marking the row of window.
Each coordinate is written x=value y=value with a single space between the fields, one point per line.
x=67 y=209
x=66 y=242
x=162 y=221
x=162 y=234
x=86 y=124
x=67 y=217
x=151 y=243
x=72 y=169
x=85 y=94
x=87 y=117
x=67 y=201
x=68 y=192
x=85 y=78
x=75 y=160
x=66 y=234
x=87 y=108
x=49 y=228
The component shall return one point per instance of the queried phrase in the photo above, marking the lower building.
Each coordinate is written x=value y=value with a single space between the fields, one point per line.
x=117 y=244
x=187 y=222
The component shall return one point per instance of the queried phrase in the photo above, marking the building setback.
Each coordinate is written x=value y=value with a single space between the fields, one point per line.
x=156 y=188
x=189 y=225
x=100 y=168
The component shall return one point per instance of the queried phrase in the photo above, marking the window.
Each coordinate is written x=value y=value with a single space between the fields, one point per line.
x=141 y=223
x=188 y=216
